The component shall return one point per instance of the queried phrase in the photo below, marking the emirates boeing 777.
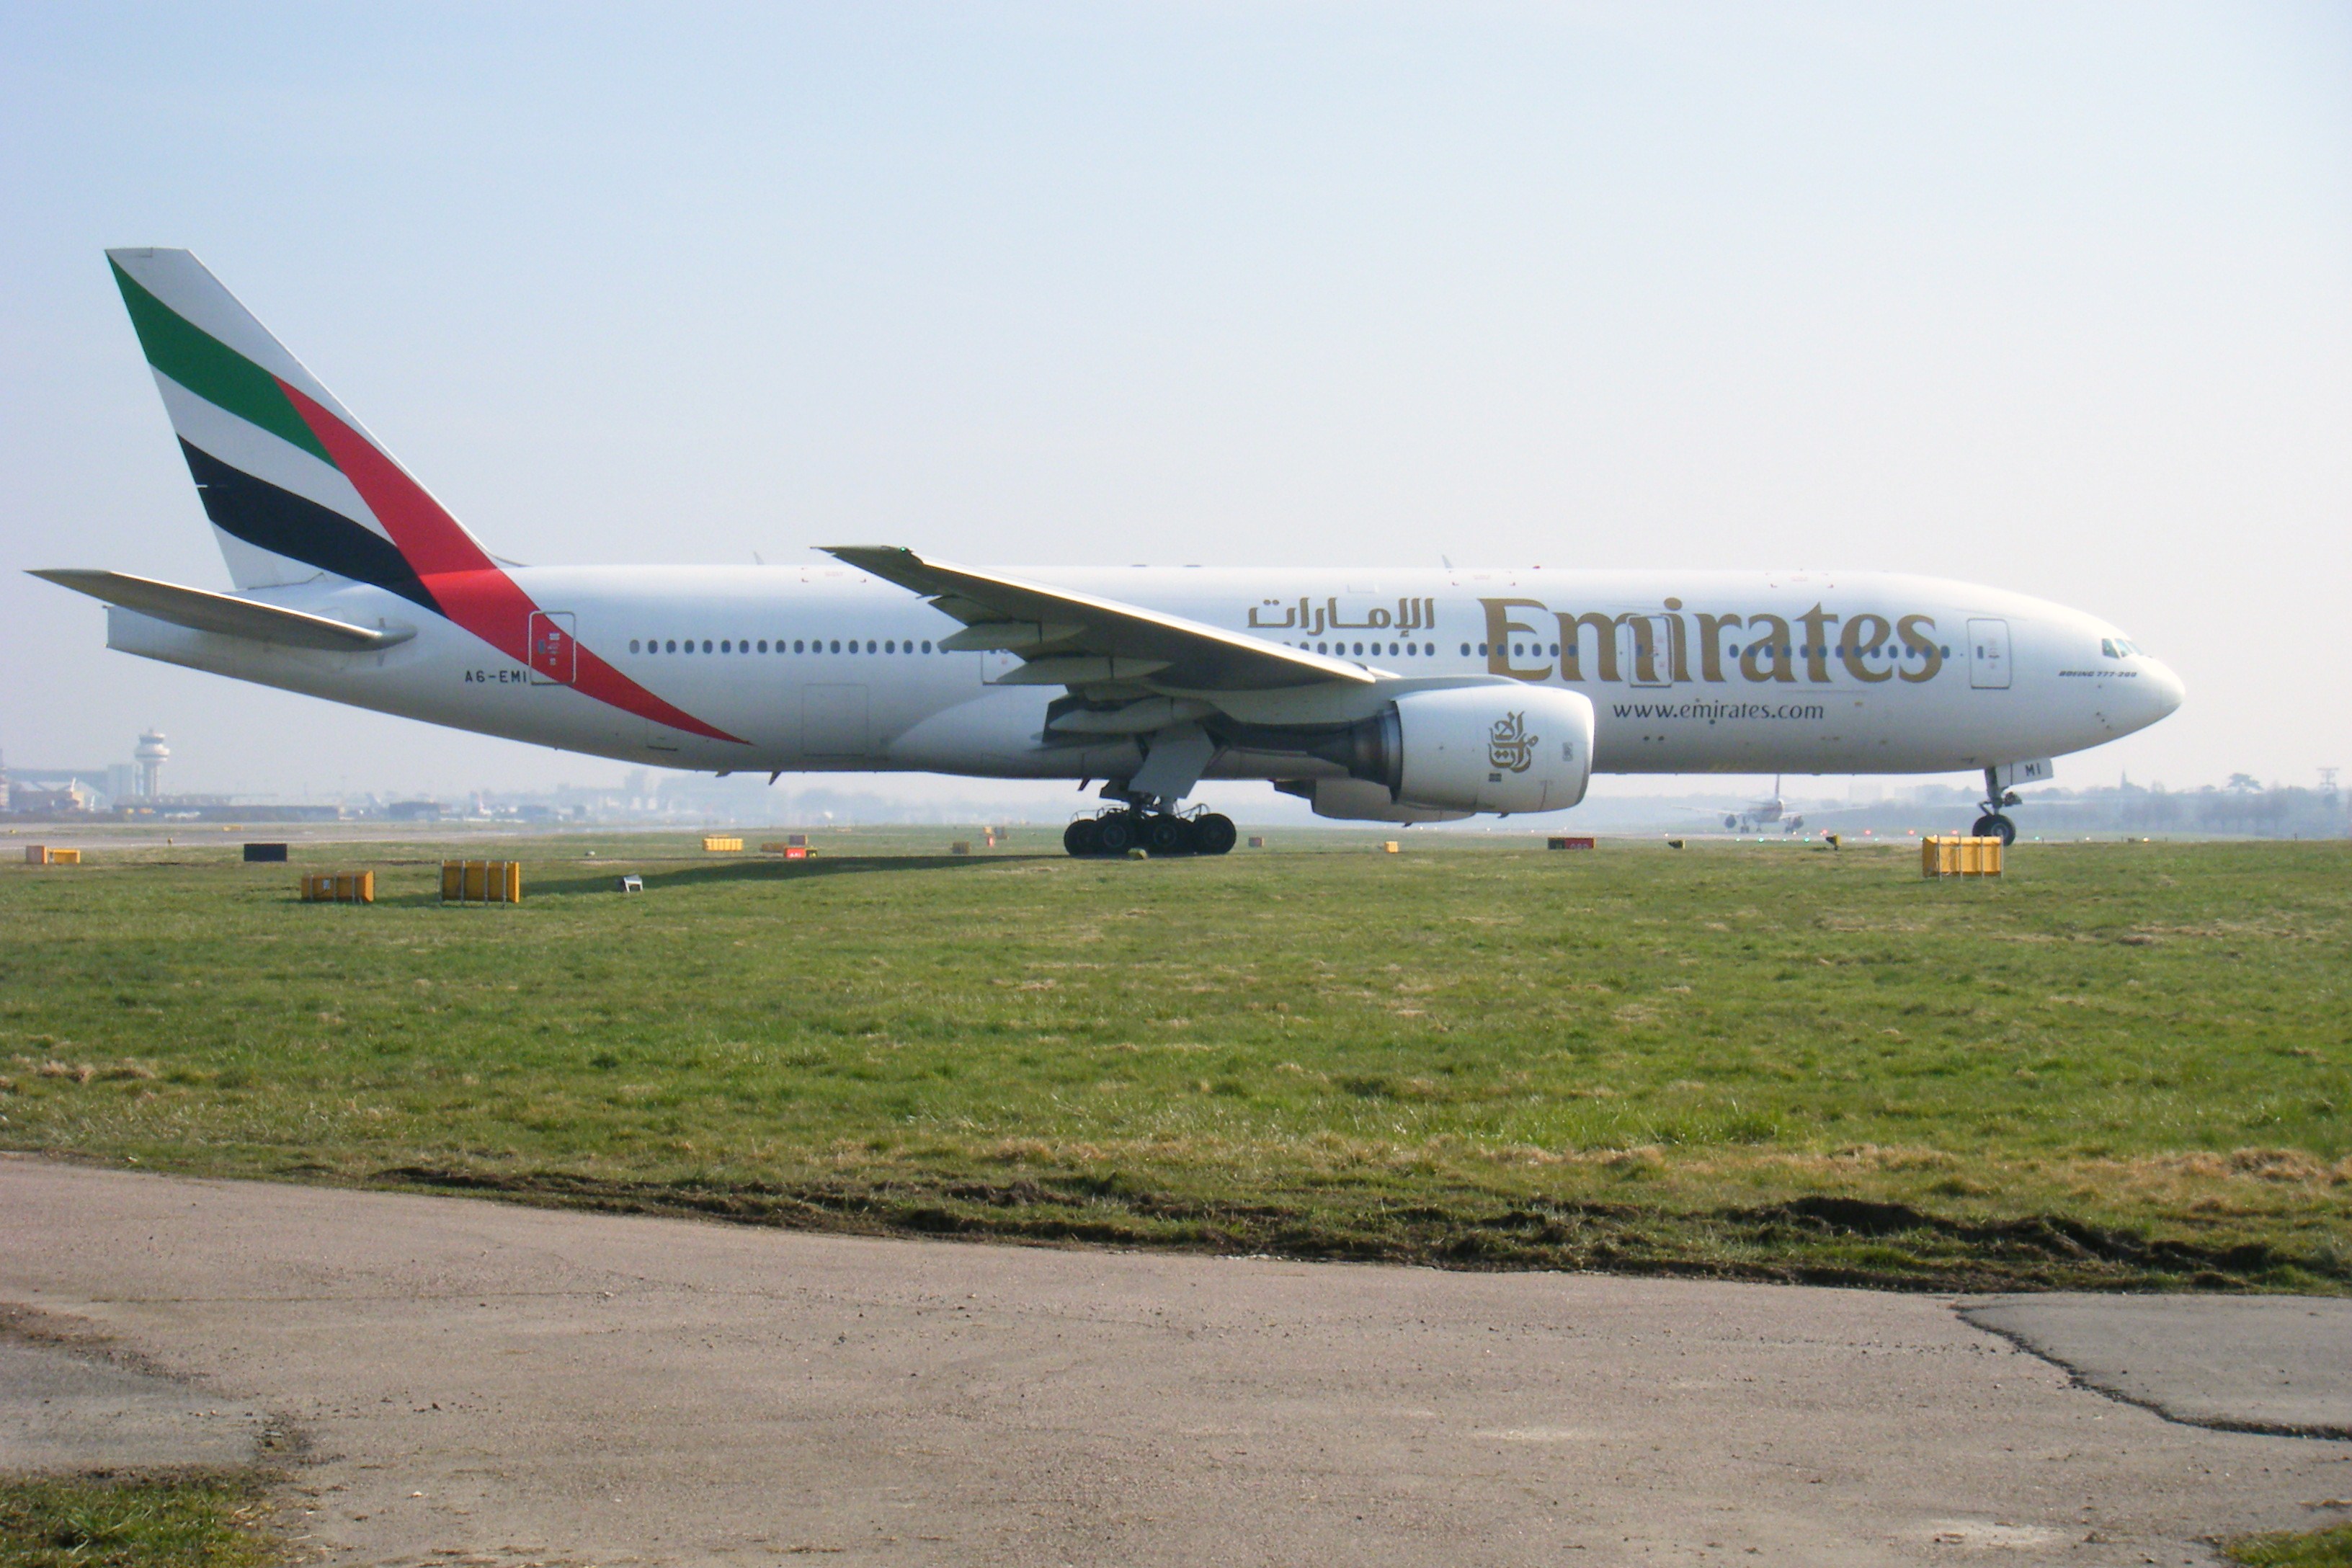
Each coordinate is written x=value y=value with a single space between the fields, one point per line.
x=1377 y=695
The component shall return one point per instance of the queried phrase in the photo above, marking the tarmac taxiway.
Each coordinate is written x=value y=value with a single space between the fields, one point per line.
x=466 y=1381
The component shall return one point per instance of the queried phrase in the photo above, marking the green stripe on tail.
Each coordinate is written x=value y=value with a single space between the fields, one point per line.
x=211 y=369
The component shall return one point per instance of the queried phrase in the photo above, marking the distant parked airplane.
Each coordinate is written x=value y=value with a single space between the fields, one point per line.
x=1377 y=695
x=1755 y=815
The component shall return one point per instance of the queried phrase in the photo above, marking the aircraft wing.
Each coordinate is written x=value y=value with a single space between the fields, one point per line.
x=1067 y=639
x=225 y=614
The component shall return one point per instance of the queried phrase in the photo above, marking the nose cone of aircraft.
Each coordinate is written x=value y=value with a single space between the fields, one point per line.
x=2164 y=688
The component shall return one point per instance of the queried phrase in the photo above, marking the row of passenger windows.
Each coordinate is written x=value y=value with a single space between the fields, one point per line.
x=1539 y=650
x=1406 y=650
x=1412 y=650
x=799 y=644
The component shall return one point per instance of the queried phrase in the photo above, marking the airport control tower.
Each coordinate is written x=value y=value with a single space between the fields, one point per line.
x=150 y=757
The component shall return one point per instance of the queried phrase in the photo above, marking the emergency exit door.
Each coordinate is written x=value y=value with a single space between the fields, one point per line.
x=554 y=656
x=1989 y=655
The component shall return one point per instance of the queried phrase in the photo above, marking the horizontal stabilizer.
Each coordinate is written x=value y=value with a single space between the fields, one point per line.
x=225 y=614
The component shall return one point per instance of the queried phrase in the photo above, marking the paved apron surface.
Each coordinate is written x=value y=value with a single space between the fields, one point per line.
x=2258 y=1363
x=509 y=1385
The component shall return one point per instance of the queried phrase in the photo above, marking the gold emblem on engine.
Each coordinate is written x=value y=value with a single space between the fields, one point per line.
x=1509 y=746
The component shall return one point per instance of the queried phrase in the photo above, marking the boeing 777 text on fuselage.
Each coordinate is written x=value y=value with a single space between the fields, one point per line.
x=1379 y=695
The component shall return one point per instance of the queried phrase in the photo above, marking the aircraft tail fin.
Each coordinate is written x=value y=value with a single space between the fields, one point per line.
x=293 y=484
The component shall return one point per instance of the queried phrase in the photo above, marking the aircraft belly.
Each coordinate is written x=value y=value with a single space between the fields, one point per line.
x=999 y=735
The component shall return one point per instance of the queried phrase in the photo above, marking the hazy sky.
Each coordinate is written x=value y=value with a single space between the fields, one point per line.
x=2054 y=297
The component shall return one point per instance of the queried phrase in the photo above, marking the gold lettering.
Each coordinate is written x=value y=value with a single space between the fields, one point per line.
x=1817 y=654
x=1289 y=618
x=1499 y=628
x=1864 y=633
x=1768 y=639
x=1710 y=645
x=1604 y=633
x=1931 y=657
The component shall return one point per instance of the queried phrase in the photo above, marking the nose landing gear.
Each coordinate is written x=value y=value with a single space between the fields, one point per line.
x=1992 y=824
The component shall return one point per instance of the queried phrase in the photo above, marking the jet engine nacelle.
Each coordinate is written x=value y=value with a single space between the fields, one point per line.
x=1358 y=800
x=1489 y=747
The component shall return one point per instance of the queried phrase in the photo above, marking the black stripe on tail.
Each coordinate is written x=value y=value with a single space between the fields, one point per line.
x=287 y=524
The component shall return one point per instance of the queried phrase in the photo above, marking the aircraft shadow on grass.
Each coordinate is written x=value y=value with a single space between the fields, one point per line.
x=603 y=882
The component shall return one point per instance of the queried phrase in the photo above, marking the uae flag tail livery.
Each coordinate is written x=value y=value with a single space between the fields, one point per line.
x=295 y=486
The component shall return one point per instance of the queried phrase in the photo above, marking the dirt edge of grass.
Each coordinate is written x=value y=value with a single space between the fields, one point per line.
x=1811 y=1240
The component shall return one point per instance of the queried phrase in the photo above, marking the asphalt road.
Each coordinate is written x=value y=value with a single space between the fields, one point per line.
x=484 y=1382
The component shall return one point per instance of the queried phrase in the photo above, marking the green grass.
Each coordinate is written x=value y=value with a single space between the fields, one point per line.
x=2293 y=1549
x=133 y=1522
x=2123 y=1065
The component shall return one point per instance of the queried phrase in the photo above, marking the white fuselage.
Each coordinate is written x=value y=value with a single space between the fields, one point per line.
x=1687 y=671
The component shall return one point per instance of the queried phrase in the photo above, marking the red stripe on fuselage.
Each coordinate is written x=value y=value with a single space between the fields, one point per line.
x=470 y=588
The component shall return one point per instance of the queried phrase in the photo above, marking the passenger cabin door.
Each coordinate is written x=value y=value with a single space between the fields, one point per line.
x=1989 y=655
x=554 y=654
x=1644 y=653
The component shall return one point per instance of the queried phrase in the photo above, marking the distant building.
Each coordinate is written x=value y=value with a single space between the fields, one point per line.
x=70 y=798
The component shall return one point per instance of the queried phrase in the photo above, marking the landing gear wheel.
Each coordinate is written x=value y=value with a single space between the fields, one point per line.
x=1166 y=834
x=1116 y=832
x=1083 y=837
x=1995 y=825
x=1212 y=834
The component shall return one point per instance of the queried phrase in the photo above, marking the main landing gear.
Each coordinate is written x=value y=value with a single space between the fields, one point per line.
x=1992 y=824
x=1115 y=833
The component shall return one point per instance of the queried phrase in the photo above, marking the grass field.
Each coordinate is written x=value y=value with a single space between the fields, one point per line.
x=135 y=1521
x=2293 y=1549
x=2123 y=1065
